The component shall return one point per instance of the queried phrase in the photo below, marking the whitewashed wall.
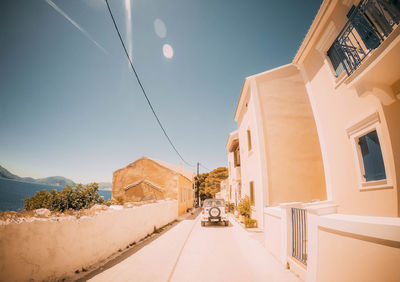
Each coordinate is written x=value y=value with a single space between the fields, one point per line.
x=46 y=249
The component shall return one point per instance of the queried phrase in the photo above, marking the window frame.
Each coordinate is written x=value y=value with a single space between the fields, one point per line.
x=323 y=45
x=236 y=157
x=251 y=194
x=249 y=141
x=357 y=130
x=335 y=53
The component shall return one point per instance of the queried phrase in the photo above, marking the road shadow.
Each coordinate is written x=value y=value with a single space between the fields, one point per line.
x=190 y=215
x=217 y=225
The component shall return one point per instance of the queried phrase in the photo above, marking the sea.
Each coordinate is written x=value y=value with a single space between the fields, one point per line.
x=13 y=193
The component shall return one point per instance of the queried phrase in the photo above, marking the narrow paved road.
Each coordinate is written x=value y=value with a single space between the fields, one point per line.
x=189 y=252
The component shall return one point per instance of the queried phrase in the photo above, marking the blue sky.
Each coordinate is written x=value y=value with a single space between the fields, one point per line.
x=70 y=106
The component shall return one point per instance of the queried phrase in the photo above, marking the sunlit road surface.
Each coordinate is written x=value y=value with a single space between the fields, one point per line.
x=189 y=252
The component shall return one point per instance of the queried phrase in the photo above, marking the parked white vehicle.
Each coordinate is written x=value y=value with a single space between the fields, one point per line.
x=214 y=210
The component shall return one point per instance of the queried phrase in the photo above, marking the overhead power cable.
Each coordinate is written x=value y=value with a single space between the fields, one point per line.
x=141 y=86
x=205 y=167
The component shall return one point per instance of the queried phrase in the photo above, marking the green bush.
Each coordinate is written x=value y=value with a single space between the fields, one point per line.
x=79 y=197
x=249 y=222
x=244 y=207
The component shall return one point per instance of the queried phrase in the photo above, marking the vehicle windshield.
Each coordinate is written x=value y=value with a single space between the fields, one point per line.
x=215 y=203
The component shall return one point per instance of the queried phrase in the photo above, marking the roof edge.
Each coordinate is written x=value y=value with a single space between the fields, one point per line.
x=127 y=187
x=231 y=137
x=245 y=86
x=304 y=46
x=240 y=99
x=157 y=163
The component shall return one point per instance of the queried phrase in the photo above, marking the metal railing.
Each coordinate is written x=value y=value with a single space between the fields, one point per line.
x=299 y=234
x=368 y=26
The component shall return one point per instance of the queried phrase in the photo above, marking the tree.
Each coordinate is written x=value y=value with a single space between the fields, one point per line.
x=79 y=197
x=210 y=183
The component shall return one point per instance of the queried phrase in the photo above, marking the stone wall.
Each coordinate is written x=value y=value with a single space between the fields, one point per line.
x=50 y=248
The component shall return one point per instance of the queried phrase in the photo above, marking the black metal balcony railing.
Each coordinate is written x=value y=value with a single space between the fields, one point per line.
x=299 y=234
x=368 y=26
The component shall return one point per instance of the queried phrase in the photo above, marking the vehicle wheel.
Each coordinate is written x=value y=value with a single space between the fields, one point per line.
x=226 y=223
x=214 y=212
x=203 y=223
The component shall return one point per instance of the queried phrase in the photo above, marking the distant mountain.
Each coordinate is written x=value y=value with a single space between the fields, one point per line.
x=4 y=173
x=29 y=179
x=56 y=180
x=52 y=180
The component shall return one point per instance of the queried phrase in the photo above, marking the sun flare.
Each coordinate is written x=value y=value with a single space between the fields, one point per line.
x=168 y=51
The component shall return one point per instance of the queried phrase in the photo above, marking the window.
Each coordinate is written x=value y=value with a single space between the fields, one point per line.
x=236 y=157
x=332 y=55
x=213 y=203
x=374 y=168
x=249 y=139
x=335 y=54
x=252 y=193
x=370 y=153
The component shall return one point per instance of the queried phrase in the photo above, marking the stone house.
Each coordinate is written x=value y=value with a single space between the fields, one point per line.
x=150 y=179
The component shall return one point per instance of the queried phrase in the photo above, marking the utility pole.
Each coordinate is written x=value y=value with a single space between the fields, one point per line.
x=197 y=185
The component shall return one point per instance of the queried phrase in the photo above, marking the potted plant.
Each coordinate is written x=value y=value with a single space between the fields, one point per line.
x=250 y=223
x=244 y=208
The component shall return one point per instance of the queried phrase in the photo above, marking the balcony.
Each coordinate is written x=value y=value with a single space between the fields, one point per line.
x=369 y=24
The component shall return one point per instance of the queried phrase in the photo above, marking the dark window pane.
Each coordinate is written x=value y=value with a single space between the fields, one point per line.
x=372 y=157
x=335 y=54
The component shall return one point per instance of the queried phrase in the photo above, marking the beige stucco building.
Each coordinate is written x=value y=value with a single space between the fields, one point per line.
x=353 y=98
x=222 y=194
x=234 y=180
x=279 y=158
x=325 y=146
x=150 y=179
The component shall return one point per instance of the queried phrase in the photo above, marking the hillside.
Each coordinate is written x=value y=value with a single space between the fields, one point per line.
x=52 y=180
x=209 y=183
x=4 y=173
x=56 y=180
